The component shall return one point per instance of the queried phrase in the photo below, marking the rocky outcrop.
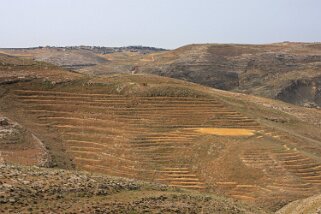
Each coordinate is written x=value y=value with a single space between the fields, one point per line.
x=10 y=132
x=305 y=92
x=307 y=205
x=44 y=159
x=285 y=71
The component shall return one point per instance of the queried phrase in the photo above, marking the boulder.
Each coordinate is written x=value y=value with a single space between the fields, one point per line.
x=4 y=121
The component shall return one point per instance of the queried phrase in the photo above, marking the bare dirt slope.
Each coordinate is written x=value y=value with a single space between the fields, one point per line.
x=263 y=152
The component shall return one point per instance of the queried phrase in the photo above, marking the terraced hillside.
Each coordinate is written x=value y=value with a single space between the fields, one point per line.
x=143 y=136
x=172 y=132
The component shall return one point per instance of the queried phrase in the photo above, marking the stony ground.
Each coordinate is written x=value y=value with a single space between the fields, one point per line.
x=307 y=205
x=10 y=133
x=40 y=190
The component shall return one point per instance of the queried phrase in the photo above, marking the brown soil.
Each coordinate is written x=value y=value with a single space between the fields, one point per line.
x=262 y=152
x=122 y=127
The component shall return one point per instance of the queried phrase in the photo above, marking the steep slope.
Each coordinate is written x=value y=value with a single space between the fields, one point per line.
x=285 y=71
x=158 y=129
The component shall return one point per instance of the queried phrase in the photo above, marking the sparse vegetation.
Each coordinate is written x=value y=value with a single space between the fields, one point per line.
x=285 y=71
x=193 y=146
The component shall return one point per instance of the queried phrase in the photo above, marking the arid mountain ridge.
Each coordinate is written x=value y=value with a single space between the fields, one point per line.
x=285 y=71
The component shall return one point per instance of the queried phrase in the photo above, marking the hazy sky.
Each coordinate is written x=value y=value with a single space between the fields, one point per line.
x=160 y=23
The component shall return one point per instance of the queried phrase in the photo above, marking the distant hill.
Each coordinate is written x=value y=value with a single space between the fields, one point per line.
x=76 y=57
x=16 y=69
x=287 y=71
x=290 y=72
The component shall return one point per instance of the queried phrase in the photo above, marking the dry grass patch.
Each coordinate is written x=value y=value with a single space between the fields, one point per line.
x=225 y=131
